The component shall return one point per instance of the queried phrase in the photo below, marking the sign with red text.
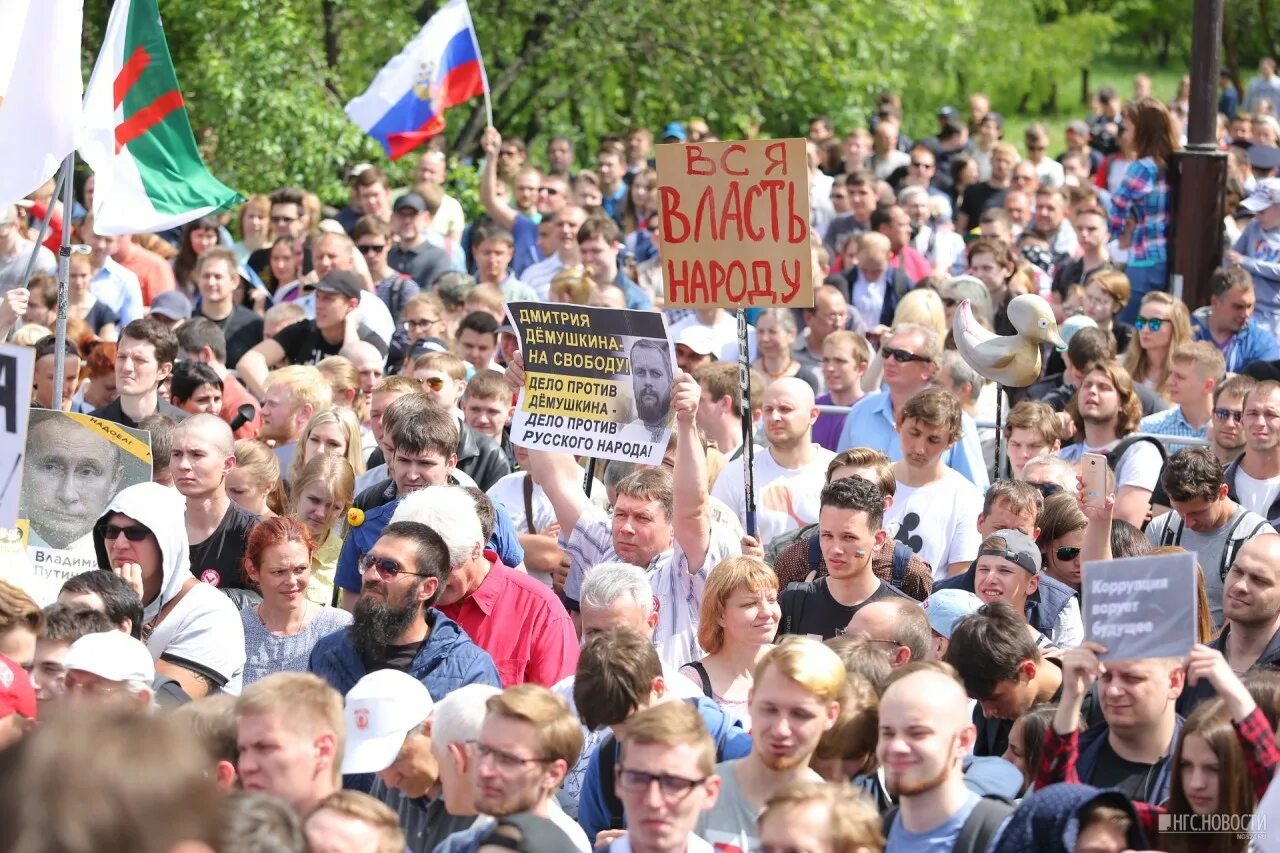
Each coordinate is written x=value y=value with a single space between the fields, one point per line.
x=735 y=224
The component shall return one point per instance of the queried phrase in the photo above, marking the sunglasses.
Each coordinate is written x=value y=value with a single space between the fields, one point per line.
x=1046 y=489
x=435 y=383
x=386 y=567
x=1229 y=415
x=900 y=355
x=1152 y=323
x=1067 y=554
x=134 y=533
x=371 y=248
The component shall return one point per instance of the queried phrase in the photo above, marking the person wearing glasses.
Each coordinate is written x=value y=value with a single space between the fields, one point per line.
x=553 y=195
x=1226 y=437
x=666 y=780
x=1204 y=520
x=190 y=627
x=395 y=625
x=1048 y=170
x=1062 y=525
x=373 y=239
x=912 y=356
x=898 y=627
x=526 y=745
x=289 y=219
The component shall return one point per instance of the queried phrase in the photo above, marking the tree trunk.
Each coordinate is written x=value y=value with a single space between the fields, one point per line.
x=1050 y=106
x=1084 y=86
x=328 y=15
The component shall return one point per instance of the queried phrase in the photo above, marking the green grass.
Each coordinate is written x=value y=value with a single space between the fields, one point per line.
x=1116 y=73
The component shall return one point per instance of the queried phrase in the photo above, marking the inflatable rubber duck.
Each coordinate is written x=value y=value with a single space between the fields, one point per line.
x=1013 y=360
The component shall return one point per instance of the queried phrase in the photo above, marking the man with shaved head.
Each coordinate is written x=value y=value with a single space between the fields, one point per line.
x=790 y=472
x=925 y=733
x=1250 y=637
x=371 y=365
x=201 y=454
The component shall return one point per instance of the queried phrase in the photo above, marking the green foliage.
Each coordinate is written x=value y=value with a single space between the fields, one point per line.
x=265 y=83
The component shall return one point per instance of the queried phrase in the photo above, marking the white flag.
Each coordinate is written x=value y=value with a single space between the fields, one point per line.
x=40 y=90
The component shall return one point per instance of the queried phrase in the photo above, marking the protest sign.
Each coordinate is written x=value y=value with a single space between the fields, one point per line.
x=74 y=466
x=735 y=224
x=16 y=364
x=597 y=381
x=1141 y=607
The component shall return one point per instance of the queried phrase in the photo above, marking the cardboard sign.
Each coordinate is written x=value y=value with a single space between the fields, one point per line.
x=735 y=224
x=16 y=365
x=74 y=466
x=597 y=381
x=1141 y=607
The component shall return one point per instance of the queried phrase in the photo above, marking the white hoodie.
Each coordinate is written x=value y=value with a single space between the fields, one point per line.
x=203 y=632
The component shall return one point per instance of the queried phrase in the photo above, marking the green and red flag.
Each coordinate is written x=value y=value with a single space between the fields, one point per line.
x=136 y=135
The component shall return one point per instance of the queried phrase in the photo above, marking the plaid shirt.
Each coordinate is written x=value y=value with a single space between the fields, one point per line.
x=1172 y=422
x=1144 y=197
x=1257 y=741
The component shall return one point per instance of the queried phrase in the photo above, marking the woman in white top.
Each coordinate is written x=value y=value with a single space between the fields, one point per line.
x=736 y=626
x=281 y=631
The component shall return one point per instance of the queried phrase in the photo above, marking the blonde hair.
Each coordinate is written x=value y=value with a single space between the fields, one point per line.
x=1137 y=361
x=922 y=307
x=346 y=419
x=372 y=812
x=260 y=462
x=571 y=284
x=344 y=377
x=306 y=701
x=852 y=820
x=672 y=724
x=307 y=385
x=445 y=362
x=559 y=733
x=328 y=468
x=30 y=334
x=731 y=575
x=808 y=663
x=488 y=298
x=1206 y=357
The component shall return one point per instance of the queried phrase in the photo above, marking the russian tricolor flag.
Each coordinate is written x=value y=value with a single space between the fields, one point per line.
x=440 y=68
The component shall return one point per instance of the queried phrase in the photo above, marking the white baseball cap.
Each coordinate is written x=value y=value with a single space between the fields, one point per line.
x=381 y=709
x=113 y=655
x=698 y=338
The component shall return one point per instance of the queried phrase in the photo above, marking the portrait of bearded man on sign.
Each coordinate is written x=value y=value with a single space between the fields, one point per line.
x=651 y=384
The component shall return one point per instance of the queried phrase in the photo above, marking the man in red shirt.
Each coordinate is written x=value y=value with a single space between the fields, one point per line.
x=153 y=272
x=517 y=619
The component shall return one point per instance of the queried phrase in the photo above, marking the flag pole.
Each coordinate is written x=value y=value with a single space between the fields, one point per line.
x=748 y=437
x=484 y=75
x=43 y=230
x=64 y=263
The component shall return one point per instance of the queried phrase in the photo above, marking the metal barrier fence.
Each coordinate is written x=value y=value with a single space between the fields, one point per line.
x=1181 y=440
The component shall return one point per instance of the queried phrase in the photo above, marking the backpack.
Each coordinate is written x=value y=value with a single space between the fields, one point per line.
x=902 y=555
x=1115 y=454
x=980 y=827
x=1172 y=535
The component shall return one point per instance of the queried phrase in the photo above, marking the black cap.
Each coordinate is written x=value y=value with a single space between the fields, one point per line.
x=422 y=346
x=341 y=281
x=412 y=200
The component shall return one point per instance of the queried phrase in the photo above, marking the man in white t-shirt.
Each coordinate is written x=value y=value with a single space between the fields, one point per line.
x=790 y=473
x=1105 y=409
x=1253 y=480
x=935 y=510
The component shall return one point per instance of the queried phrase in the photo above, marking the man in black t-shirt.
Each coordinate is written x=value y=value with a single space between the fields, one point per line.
x=850 y=529
x=202 y=451
x=310 y=341
x=216 y=277
x=991 y=192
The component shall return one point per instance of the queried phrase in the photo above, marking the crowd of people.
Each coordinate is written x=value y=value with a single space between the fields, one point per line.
x=348 y=613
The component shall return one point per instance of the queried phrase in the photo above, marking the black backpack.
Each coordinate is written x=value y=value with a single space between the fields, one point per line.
x=980 y=827
x=1158 y=495
x=902 y=555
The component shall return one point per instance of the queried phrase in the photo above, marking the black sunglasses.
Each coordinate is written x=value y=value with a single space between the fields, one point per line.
x=386 y=567
x=1229 y=415
x=900 y=355
x=111 y=532
x=1068 y=553
x=371 y=248
x=1046 y=489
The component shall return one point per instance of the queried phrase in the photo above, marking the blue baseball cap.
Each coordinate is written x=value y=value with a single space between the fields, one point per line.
x=946 y=607
x=674 y=130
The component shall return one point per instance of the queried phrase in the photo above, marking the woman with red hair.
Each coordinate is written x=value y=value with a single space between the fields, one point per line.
x=281 y=631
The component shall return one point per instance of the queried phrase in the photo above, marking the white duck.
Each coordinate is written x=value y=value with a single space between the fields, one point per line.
x=1014 y=360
